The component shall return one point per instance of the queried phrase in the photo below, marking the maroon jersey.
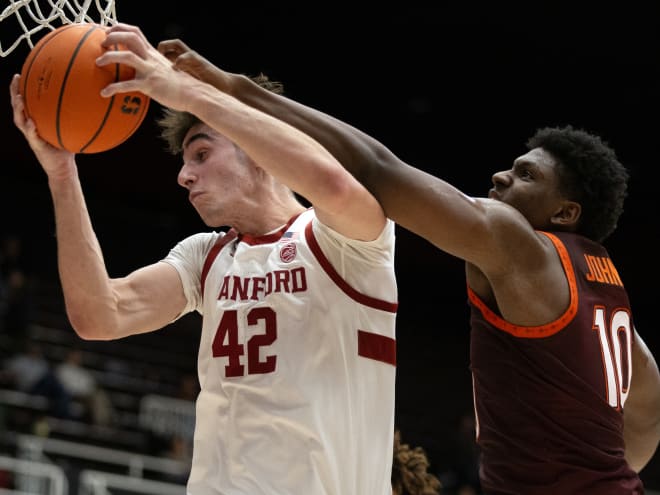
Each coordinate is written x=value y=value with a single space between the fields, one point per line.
x=549 y=399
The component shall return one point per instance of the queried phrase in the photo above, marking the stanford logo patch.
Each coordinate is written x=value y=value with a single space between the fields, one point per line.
x=288 y=252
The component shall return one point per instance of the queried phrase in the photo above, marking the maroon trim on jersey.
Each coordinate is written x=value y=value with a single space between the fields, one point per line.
x=213 y=253
x=341 y=283
x=375 y=346
x=540 y=331
x=248 y=239
x=268 y=238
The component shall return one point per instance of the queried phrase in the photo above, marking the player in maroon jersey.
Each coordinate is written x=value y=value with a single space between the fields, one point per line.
x=554 y=352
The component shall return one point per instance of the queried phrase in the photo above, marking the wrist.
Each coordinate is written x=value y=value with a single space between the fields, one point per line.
x=63 y=174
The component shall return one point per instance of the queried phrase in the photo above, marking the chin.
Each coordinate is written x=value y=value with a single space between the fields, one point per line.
x=211 y=222
x=207 y=221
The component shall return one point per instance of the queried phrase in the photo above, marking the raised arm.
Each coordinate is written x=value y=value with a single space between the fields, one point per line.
x=641 y=413
x=283 y=151
x=98 y=307
x=353 y=148
x=362 y=155
x=416 y=200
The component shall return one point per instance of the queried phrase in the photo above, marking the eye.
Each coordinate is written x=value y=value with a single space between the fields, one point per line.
x=524 y=173
x=201 y=154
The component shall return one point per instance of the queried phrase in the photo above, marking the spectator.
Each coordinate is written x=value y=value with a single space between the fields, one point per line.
x=81 y=385
x=179 y=449
x=15 y=291
x=29 y=372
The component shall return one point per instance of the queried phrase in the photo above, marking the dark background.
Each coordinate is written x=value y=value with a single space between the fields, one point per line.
x=455 y=90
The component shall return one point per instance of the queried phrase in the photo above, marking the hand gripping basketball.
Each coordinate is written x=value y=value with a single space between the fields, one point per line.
x=155 y=75
x=61 y=86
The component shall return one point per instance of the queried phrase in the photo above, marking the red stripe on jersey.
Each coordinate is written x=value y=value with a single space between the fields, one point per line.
x=341 y=283
x=213 y=253
x=376 y=346
x=268 y=238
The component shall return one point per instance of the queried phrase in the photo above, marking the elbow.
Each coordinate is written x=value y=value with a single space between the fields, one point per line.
x=641 y=439
x=89 y=327
x=338 y=193
x=373 y=164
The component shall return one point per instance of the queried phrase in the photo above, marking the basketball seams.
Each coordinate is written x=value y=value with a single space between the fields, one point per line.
x=143 y=108
x=61 y=87
x=72 y=60
x=32 y=56
x=108 y=110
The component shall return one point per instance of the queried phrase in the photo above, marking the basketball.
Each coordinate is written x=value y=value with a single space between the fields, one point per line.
x=61 y=84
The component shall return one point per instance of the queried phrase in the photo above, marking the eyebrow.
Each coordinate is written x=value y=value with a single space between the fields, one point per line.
x=530 y=165
x=195 y=137
x=524 y=162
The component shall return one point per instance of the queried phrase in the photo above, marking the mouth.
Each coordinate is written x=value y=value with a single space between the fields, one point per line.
x=493 y=194
x=194 y=195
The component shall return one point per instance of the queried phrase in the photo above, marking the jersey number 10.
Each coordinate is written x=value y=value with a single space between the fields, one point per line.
x=616 y=346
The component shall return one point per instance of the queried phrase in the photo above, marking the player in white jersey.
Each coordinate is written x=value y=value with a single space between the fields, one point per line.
x=296 y=361
x=297 y=355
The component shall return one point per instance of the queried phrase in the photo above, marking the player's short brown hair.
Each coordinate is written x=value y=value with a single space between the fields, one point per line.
x=175 y=124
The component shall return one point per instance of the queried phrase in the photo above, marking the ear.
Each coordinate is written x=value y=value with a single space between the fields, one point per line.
x=567 y=215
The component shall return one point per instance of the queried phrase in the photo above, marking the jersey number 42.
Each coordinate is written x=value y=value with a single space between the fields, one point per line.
x=226 y=342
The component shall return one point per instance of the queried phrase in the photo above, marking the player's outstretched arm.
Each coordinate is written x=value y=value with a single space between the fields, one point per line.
x=282 y=150
x=353 y=148
x=416 y=200
x=641 y=413
x=98 y=307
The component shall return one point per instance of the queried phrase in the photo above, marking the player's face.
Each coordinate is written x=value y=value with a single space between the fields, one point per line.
x=531 y=186
x=218 y=175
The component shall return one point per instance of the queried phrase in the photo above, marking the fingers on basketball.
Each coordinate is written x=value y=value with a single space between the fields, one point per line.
x=61 y=85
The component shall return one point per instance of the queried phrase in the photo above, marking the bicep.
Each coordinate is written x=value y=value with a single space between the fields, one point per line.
x=477 y=230
x=149 y=298
x=642 y=407
x=645 y=387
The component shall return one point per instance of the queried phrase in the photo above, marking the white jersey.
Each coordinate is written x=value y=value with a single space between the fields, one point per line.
x=296 y=360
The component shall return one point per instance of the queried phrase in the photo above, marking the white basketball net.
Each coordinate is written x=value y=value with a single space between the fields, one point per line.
x=32 y=16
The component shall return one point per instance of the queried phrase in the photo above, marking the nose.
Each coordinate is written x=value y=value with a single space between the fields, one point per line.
x=502 y=178
x=186 y=178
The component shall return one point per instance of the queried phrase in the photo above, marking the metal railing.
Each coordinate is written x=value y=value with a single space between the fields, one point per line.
x=38 y=448
x=101 y=483
x=34 y=477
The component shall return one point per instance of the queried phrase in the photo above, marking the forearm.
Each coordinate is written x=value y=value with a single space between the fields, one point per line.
x=88 y=296
x=286 y=153
x=409 y=196
x=364 y=157
x=358 y=152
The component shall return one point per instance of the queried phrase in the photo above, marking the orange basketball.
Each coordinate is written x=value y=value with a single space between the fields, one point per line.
x=61 y=84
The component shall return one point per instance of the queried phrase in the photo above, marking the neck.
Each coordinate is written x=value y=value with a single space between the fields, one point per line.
x=270 y=221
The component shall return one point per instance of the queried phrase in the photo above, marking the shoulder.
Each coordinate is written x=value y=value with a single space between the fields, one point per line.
x=506 y=243
x=379 y=250
x=189 y=254
x=197 y=244
x=385 y=237
x=202 y=239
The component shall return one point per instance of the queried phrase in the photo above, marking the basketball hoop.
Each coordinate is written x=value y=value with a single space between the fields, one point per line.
x=32 y=16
